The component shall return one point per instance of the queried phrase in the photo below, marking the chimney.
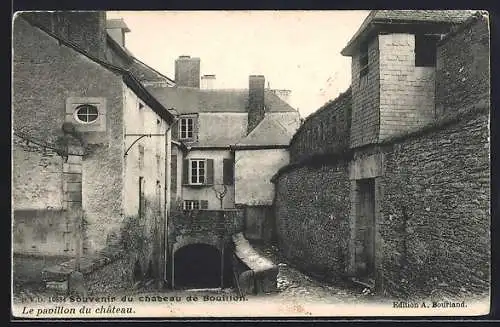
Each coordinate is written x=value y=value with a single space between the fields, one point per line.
x=86 y=29
x=256 y=110
x=117 y=28
x=208 y=82
x=187 y=71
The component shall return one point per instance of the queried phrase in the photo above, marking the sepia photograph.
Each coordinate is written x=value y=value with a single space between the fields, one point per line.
x=238 y=164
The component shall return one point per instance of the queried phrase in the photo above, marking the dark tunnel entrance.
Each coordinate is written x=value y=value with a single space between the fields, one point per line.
x=199 y=266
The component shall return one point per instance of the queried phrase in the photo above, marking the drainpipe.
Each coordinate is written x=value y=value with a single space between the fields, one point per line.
x=165 y=214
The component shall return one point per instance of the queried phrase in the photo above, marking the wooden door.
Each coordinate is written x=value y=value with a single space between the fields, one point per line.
x=365 y=256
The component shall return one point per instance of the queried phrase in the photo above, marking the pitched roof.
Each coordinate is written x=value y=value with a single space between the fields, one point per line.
x=139 y=69
x=146 y=73
x=406 y=16
x=128 y=78
x=187 y=100
x=276 y=129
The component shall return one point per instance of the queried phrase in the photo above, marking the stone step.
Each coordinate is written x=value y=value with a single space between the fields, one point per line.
x=60 y=272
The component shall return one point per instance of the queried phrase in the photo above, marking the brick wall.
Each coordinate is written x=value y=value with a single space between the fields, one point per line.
x=435 y=223
x=406 y=91
x=463 y=68
x=365 y=98
x=312 y=210
x=325 y=131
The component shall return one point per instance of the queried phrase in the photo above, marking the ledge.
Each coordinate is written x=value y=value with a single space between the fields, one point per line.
x=247 y=254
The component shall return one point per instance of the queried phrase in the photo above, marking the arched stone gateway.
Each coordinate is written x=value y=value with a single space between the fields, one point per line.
x=200 y=265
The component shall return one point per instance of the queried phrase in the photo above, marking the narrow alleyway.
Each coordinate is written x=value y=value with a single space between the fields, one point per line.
x=292 y=283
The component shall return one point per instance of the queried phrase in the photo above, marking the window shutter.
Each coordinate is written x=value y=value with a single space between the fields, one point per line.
x=175 y=130
x=195 y=128
x=210 y=172
x=173 y=175
x=203 y=204
x=228 y=171
x=185 y=172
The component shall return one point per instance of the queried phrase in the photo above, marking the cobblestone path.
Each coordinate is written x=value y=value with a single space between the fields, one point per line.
x=292 y=283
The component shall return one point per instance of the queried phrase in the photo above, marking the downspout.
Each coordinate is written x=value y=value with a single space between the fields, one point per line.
x=165 y=213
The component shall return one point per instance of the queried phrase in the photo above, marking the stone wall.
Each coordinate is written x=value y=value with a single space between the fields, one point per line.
x=463 y=67
x=406 y=91
x=37 y=176
x=434 y=218
x=325 y=131
x=40 y=61
x=435 y=210
x=46 y=190
x=312 y=211
x=190 y=223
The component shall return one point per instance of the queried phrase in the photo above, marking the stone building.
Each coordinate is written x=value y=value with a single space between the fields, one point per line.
x=226 y=146
x=391 y=179
x=90 y=143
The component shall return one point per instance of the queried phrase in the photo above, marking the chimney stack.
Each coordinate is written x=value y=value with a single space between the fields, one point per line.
x=208 y=82
x=86 y=29
x=117 y=28
x=256 y=109
x=187 y=71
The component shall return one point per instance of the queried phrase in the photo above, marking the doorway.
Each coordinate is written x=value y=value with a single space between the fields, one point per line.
x=201 y=266
x=365 y=229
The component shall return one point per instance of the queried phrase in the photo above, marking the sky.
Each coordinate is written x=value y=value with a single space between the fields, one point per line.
x=295 y=50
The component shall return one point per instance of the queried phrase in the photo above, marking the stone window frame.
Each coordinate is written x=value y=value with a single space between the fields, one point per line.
x=72 y=105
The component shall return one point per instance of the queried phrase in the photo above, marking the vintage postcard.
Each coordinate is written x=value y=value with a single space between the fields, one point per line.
x=250 y=164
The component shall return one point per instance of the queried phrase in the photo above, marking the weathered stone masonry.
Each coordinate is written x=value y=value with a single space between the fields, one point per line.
x=312 y=192
x=428 y=173
x=434 y=222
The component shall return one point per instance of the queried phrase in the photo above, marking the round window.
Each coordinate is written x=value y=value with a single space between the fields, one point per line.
x=86 y=113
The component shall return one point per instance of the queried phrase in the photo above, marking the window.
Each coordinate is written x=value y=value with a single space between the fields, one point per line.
x=86 y=113
x=425 y=50
x=197 y=172
x=142 y=203
x=141 y=156
x=186 y=128
x=195 y=205
x=191 y=205
x=363 y=59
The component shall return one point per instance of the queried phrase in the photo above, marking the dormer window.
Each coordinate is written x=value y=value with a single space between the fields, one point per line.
x=425 y=50
x=363 y=59
x=186 y=126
